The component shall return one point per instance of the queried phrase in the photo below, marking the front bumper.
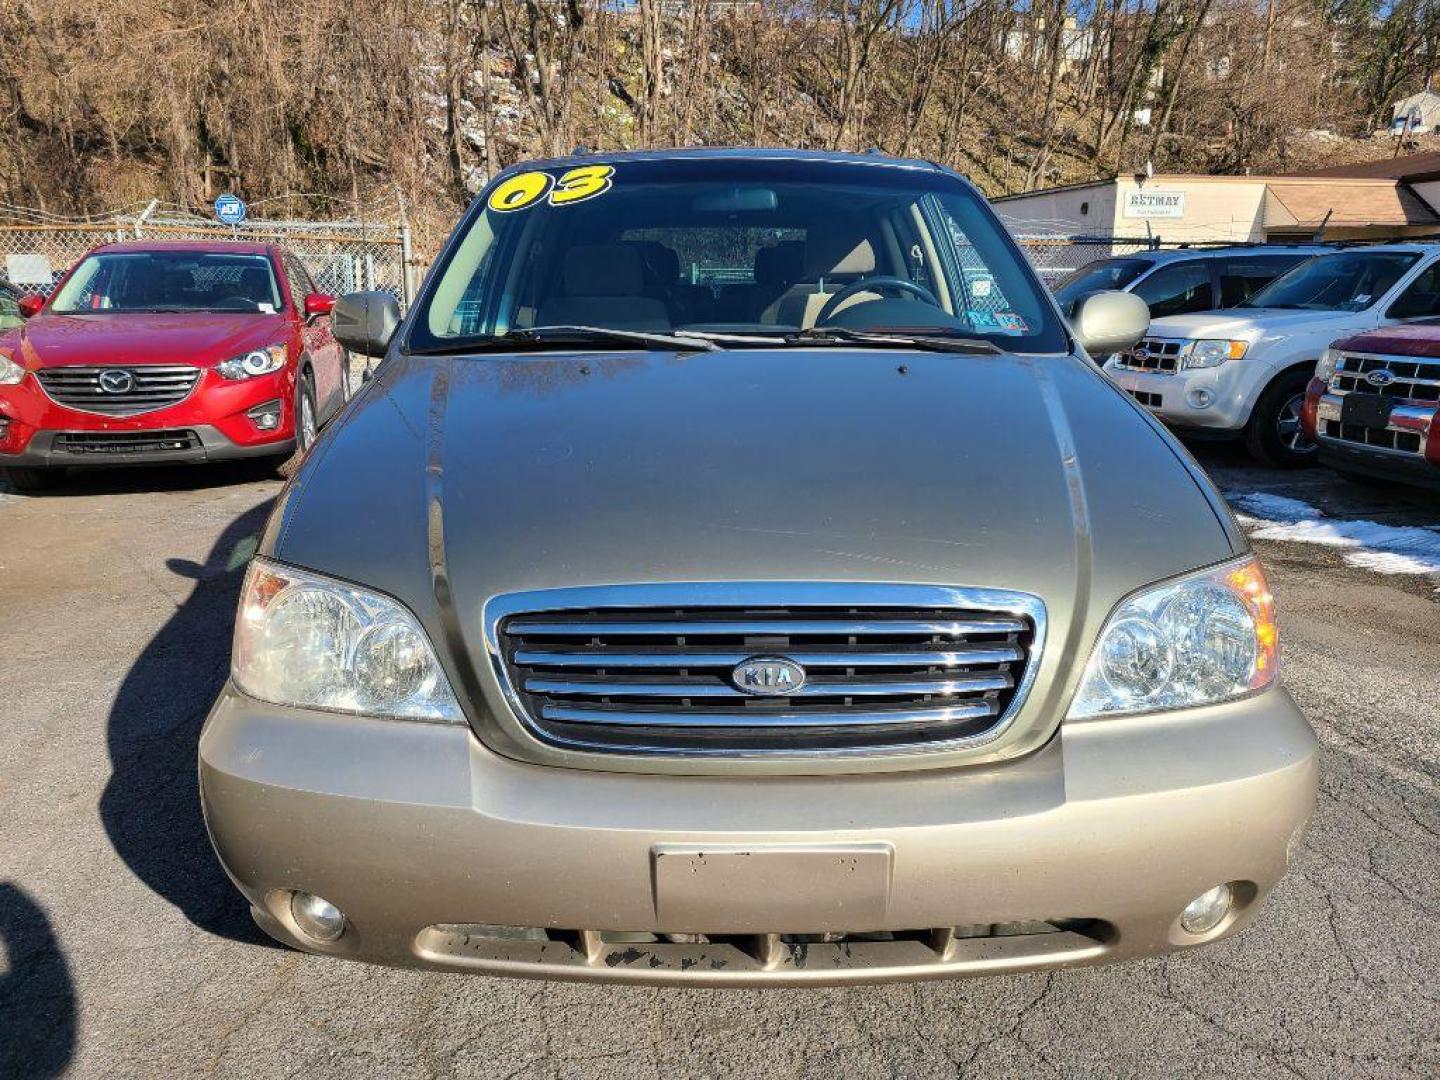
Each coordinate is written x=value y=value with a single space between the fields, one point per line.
x=195 y=445
x=213 y=423
x=1406 y=449
x=1217 y=400
x=443 y=854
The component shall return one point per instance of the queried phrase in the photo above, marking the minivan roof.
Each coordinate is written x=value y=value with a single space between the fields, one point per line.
x=583 y=156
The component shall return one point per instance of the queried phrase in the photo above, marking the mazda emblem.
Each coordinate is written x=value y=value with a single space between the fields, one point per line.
x=117 y=381
x=768 y=676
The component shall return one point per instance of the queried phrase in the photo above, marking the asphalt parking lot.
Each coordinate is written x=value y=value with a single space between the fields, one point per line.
x=125 y=952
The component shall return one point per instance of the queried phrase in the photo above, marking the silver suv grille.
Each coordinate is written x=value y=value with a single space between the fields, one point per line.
x=1153 y=354
x=150 y=387
x=663 y=678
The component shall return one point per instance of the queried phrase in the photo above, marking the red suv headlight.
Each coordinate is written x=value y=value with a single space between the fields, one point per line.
x=253 y=363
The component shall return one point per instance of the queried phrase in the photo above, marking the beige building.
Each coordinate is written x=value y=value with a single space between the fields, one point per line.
x=1233 y=209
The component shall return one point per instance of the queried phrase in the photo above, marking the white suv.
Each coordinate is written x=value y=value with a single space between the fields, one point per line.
x=1242 y=372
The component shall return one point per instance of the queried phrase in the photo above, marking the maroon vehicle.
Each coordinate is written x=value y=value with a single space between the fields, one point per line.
x=1372 y=405
x=161 y=353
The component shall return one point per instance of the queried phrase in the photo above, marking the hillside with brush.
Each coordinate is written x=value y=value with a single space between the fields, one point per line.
x=335 y=105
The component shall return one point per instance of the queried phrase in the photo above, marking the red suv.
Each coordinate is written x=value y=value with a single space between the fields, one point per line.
x=160 y=353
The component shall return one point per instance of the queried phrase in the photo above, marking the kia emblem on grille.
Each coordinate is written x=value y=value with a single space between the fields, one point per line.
x=769 y=676
x=1380 y=377
x=117 y=381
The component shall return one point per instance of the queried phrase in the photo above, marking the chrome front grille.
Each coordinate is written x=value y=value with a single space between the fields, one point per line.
x=1409 y=387
x=1153 y=354
x=1406 y=378
x=150 y=387
x=884 y=667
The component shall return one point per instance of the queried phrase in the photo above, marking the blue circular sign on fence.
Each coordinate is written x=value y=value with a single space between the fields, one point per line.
x=230 y=209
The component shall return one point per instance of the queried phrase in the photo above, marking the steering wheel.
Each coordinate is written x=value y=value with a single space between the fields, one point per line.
x=875 y=284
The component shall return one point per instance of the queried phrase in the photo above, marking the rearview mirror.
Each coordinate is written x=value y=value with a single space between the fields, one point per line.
x=737 y=200
x=364 y=322
x=30 y=305
x=1109 y=322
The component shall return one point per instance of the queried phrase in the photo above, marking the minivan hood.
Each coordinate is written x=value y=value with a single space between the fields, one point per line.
x=136 y=339
x=504 y=474
x=1248 y=324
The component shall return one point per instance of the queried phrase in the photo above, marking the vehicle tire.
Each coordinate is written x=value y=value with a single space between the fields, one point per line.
x=307 y=425
x=34 y=481
x=1274 y=435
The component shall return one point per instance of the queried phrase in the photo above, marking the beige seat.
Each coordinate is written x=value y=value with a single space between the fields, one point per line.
x=832 y=261
x=604 y=285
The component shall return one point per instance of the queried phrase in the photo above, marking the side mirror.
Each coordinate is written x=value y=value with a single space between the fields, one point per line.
x=30 y=305
x=318 y=304
x=365 y=322
x=1109 y=322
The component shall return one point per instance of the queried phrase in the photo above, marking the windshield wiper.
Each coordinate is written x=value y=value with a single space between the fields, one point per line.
x=547 y=336
x=926 y=342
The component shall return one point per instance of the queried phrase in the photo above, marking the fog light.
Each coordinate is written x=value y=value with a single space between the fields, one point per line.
x=319 y=919
x=1201 y=399
x=265 y=417
x=1207 y=911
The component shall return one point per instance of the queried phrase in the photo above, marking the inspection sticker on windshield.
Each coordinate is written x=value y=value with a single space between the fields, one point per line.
x=528 y=188
x=1010 y=323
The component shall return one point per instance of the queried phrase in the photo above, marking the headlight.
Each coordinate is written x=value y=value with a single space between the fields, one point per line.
x=256 y=362
x=10 y=372
x=304 y=640
x=1213 y=353
x=1202 y=639
x=1326 y=365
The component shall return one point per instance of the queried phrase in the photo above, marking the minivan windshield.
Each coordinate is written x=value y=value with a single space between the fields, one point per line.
x=744 y=249
x=1345 y=281
x=148 y=281
x=1098 y=276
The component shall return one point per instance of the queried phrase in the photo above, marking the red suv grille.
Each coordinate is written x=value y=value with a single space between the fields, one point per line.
x=119 y=391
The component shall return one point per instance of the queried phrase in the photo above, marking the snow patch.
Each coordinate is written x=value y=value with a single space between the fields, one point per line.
x=1274 y=507
x=1383 y=549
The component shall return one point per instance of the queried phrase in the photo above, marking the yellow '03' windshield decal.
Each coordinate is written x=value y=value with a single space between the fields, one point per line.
x=528 y=188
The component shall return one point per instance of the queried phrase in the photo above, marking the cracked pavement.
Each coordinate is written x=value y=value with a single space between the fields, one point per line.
x=124 y=952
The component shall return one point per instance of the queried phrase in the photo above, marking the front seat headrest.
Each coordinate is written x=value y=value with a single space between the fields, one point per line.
x=603 y=270
x=829 y=253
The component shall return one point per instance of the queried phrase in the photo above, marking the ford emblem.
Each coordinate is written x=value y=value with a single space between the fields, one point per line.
x=768 y=676
x=1380 y=377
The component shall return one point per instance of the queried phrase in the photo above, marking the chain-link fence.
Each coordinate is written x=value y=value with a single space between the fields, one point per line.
x=37 y=249
x=1056 y=257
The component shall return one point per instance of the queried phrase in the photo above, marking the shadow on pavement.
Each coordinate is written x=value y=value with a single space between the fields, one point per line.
x=151 y=804
x=1337 y=496
x=37 y=996
x=154 y=478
